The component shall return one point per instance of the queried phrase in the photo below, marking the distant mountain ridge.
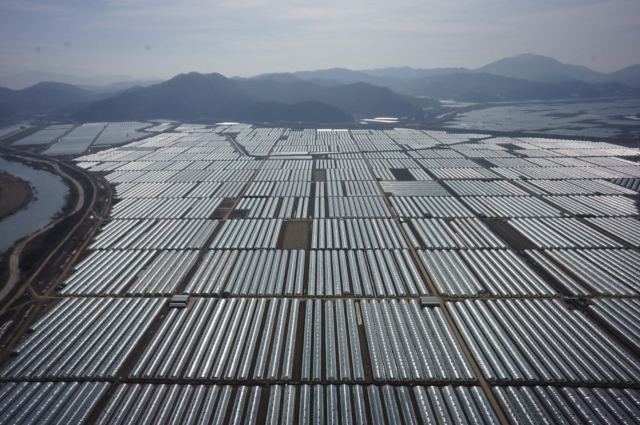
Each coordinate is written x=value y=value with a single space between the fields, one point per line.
x=213 y=96
x=22 y=80
x=535 y=67
x=524 y=67
x=45 y=97
x=484 y=87
x=333 y=94
x=522 y=77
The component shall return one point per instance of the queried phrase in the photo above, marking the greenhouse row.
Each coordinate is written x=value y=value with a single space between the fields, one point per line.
x=372 y=273
x=562 y=233
x=290 y=207
x=566 y=405
x=621 y=315
x=519 y=342
x=565 y=173
x=426 y=206
x=356 y=234
x=154 y=234
x=402 y=342
x=629 y=183
x=485 y=188
x=606 y=272
x=273 y=175
x=157 y=208
x=250 y=273
x=452 y=234
x=83 y=338
x=574 y=187
x=626 y=229
x=564 y=281
x=247 y=234
x=599 y=206
x=461 y=173
x=233 y=171
x=439 y=159
x=477 y=273
x=507 y=207
x=351 y=207
x=297 y=404
x=107 y=273
x=278 y=189
x=155 y=190
x=35 y=403
x=413 y=188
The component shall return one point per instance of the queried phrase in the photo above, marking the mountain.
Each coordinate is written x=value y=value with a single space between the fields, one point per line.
x=315 y=112
x=369 y=101
x=629 y=76
x=22 y=80
x=533 y=67
x=280 y=77
x=410 y=81
x=45 y=97
x=119 y=86
x=6 y=113
x=360 y=98
x=186 y=96
x=408 y=73
x=483 y=87
x=549 y=70
x=213 y=96
x=342 y=75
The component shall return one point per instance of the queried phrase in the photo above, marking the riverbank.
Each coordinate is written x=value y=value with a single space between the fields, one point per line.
x=15 y=194
x=50 y=196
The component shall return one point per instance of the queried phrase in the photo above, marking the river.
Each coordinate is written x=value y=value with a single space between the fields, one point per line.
x=49 y=192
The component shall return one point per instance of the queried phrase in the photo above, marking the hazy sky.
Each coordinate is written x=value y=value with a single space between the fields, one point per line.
x=160 y=38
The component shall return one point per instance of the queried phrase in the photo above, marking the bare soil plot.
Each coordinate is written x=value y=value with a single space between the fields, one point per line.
x=295 y=234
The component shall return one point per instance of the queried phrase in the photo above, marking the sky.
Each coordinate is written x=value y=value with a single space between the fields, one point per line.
x=161 y=38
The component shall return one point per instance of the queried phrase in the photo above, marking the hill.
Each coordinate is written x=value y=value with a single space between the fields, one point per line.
x=536 y=67
x=408 y=73
x=629 y=76
x=483 y=87
x=45 y=97
x=213 y=96
x=22 y=80
x=411 y=81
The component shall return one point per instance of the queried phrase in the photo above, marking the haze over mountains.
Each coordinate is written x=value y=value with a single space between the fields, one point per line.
x=22 y=80
x=332 y=95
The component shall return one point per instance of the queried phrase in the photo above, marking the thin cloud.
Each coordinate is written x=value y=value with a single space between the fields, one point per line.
x=245 y=37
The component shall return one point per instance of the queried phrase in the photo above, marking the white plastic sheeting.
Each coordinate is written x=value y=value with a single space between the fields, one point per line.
x=453 y=234
x=409 y=343
x=83 y=338
x=436 y=207
x=536 y=341
x=562 y=233
x=475 y=273
x=248 y=234
x=154 y=234
x=356 y=234
x=605 y=271
x=250 y=273
x=50 y=402
x=566 y=405
x=622 y=315
x=228 y=339
x=297 y=404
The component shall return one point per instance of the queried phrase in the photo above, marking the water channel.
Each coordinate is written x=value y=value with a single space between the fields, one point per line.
x=49 y=192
